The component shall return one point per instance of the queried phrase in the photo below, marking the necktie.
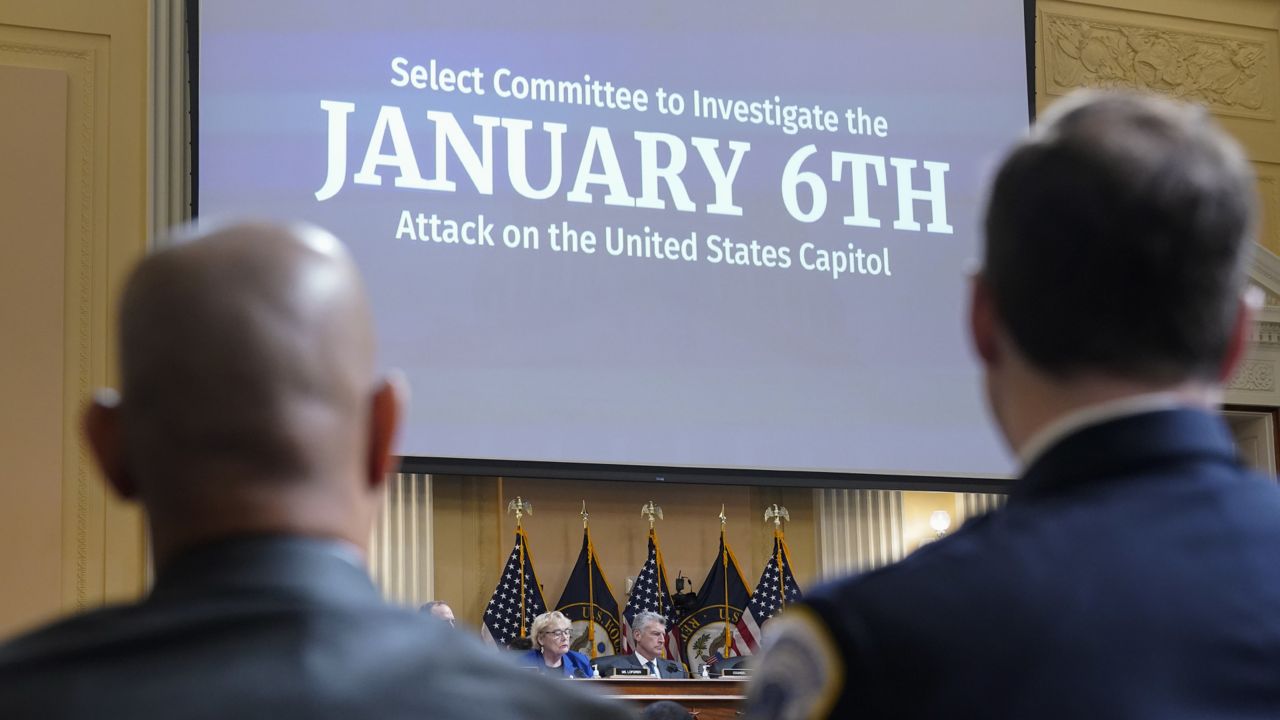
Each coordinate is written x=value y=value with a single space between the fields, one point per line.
x=653 y=668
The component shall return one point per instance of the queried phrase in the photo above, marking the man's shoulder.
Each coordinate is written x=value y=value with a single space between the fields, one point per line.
x=958 y=557
x=853 y=641
x=672 y=666
x=803 y=671
x=621 y=659
x=47 y=643
x=378 y=659
x=483 y=683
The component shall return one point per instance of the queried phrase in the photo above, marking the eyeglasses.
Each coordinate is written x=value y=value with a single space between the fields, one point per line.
x=557 y=633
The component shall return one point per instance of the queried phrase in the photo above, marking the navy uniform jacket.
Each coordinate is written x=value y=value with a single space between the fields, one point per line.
x=1134 y=573
x=274 y=629
x=573 y=664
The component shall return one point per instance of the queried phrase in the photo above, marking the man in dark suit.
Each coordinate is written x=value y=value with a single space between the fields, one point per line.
x=648 y=634
x=252 y=429
x=1134 y=571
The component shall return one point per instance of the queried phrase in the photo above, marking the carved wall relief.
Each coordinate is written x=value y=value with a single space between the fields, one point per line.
x=1227 y=74
x=1259 y=375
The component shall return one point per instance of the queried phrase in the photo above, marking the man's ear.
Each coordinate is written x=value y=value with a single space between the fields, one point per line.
x=983 y=323
x=1247 y=308
x=384 y=421
x=102 y=425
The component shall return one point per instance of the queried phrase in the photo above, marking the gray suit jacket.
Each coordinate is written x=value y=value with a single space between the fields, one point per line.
x=275 y=628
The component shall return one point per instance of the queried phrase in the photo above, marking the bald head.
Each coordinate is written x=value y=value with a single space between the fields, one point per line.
x=248 y=383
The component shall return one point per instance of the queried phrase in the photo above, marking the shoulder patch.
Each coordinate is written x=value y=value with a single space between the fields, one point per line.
x=800 y=675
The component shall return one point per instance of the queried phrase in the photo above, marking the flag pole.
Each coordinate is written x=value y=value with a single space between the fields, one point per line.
x=782 y=578
x=653 y=511
x=521 y=509
x=724 y=563
x=591 y=584
x=777 y=515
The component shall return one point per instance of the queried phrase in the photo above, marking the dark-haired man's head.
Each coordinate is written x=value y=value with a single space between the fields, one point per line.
x=248 y=402
x=1117 y=239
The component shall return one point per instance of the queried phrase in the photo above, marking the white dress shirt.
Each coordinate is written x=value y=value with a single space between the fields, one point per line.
x=657 y=671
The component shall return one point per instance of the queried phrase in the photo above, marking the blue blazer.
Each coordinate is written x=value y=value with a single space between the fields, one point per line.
x=573 y=664
x=1134 y=573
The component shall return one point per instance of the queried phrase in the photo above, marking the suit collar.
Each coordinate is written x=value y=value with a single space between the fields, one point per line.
x=1097 y=414
x=309 y=568
x=636 y=661
x=1133 y=442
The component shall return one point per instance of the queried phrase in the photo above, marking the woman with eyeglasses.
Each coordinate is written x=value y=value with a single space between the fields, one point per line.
x=551 y=653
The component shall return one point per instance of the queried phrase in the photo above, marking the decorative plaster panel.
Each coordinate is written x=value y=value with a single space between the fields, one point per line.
x=1257 y=375
x=1225 y=71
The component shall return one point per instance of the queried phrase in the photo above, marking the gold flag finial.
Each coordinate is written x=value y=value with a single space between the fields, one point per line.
x=777 y=515
x=723 y=518
x=584 y=514
x=520 y=507
x=651 y=510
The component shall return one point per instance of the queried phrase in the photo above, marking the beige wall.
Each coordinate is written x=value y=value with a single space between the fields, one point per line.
x=917 y=510
x=72 y=206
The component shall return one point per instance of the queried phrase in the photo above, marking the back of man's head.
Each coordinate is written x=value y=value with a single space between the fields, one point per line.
x=1117 y=237
x=666 y=710
x=248 y=401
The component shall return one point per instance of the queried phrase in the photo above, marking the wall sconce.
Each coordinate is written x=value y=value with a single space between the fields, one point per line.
x=940 y=521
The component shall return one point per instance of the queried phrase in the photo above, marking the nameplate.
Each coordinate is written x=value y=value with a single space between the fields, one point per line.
x=736 y=672
x=631 y=672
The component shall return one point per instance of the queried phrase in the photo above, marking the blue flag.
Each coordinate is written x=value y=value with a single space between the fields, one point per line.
x=588 y=602
x=717 y=629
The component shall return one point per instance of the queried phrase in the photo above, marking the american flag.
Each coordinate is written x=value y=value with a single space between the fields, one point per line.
x=776 y=590
x=517 y=599
x=651 y=593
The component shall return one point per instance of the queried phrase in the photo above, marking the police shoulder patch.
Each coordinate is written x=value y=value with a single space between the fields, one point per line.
x=800 y=675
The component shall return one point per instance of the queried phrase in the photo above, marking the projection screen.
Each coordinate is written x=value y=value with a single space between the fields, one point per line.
x=662 y=239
